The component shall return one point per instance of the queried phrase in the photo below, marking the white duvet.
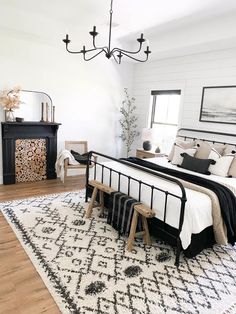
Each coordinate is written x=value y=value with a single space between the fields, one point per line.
x=198 y=206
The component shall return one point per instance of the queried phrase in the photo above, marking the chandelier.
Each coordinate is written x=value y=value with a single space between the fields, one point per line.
x=116 y=53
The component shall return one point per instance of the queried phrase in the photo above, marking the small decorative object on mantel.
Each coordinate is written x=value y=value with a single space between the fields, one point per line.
x=53 y=113
x=47 y=111
x=18 y=119
x=42 y=112
x=10 y=100
x=128 y=122
x=9 y=115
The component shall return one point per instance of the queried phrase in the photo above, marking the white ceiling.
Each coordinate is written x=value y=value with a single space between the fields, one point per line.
x=133 y=16
x=49 y=20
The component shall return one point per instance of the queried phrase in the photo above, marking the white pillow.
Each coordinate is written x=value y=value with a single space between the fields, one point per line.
x=214 y=154
x=177 y=158
x=222 y=165
x=181 y=143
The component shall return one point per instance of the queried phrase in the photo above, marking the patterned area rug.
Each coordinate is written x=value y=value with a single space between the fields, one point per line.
x=87 y=269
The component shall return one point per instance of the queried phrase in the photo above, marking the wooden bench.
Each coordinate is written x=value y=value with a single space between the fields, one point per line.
x=102 y=188
x=145 y=212
x=139 y=209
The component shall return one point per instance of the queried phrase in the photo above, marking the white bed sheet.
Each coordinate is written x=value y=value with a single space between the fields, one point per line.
x=198 y=207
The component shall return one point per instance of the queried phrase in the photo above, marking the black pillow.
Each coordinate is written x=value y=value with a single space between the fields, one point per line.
x=82 y=159
x=196 y=164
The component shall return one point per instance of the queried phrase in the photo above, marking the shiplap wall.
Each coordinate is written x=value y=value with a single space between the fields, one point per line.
x=188 y=73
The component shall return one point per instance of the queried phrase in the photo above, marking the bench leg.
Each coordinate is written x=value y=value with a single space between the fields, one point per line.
x=132 y=231
x=147 y=239
x=91 y=204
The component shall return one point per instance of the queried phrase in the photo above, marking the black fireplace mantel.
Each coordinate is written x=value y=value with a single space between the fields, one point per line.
x=11 y=131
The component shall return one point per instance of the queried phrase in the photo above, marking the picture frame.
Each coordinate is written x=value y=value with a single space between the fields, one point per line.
x=218 y=104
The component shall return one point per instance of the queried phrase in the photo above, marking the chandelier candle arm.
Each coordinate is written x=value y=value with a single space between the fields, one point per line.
x=89 y=50
x=67 y=41
x=114 y=57
x=92 y=56
x=94 y=34
x=107 y=49
x=147 y=53
x=123 y=50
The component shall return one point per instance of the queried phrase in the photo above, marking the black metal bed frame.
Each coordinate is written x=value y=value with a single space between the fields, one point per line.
x=206 y=132
x=131 y=179
x=174 y=237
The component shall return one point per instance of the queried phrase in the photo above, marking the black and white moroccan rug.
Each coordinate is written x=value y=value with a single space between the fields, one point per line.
x=87 y=269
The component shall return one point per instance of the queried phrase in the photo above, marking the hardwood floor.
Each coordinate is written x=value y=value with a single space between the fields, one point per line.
x=21 y=289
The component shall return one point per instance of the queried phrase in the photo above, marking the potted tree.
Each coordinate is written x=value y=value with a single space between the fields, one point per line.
x=128 y=121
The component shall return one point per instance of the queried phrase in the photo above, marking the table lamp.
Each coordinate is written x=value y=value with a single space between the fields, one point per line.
x=147 y=136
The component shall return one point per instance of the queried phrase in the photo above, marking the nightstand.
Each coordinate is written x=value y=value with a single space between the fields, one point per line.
x=140 y=153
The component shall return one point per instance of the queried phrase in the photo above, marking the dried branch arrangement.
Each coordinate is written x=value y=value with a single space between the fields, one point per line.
x=10 y=99
x=128 y=121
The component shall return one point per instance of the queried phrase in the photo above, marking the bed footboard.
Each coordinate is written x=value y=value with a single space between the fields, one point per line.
x=175 y=238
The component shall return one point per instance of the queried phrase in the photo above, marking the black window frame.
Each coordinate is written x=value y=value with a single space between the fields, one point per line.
x=155 y=93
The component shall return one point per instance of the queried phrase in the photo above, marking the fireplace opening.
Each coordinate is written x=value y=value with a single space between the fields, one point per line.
x=30 y=160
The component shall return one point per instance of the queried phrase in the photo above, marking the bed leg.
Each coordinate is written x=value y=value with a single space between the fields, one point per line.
x=178 y=250
x=86 y=195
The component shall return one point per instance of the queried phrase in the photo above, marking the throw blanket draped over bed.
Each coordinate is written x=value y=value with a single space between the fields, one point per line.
x=226 y=197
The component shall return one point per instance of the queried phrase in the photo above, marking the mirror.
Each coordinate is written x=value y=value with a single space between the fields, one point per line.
x=31 y=109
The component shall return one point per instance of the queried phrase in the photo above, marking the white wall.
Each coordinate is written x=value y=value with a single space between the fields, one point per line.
x=87 y=95
x=188 y=73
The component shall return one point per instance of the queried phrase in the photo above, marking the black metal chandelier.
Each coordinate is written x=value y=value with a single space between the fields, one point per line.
x=116 y=53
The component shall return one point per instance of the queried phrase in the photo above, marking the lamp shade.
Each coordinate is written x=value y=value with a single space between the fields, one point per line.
x=147 y=134
x=156 y=140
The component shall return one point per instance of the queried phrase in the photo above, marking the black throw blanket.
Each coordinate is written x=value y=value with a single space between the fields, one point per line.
x=120 y=212
x=226 y=197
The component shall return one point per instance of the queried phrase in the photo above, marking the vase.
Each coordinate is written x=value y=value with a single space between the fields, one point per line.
x=147 y=145
x=9 y=116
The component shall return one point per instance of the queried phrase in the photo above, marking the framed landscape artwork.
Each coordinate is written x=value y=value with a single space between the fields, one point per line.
x=218 y=104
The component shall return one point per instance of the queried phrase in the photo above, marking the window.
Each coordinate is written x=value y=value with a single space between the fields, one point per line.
x=164 y=117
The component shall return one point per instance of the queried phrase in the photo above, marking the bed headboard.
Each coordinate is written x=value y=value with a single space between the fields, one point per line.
x=207 y=136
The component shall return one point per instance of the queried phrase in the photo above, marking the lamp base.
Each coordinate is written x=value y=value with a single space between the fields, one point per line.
x=147 y=145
